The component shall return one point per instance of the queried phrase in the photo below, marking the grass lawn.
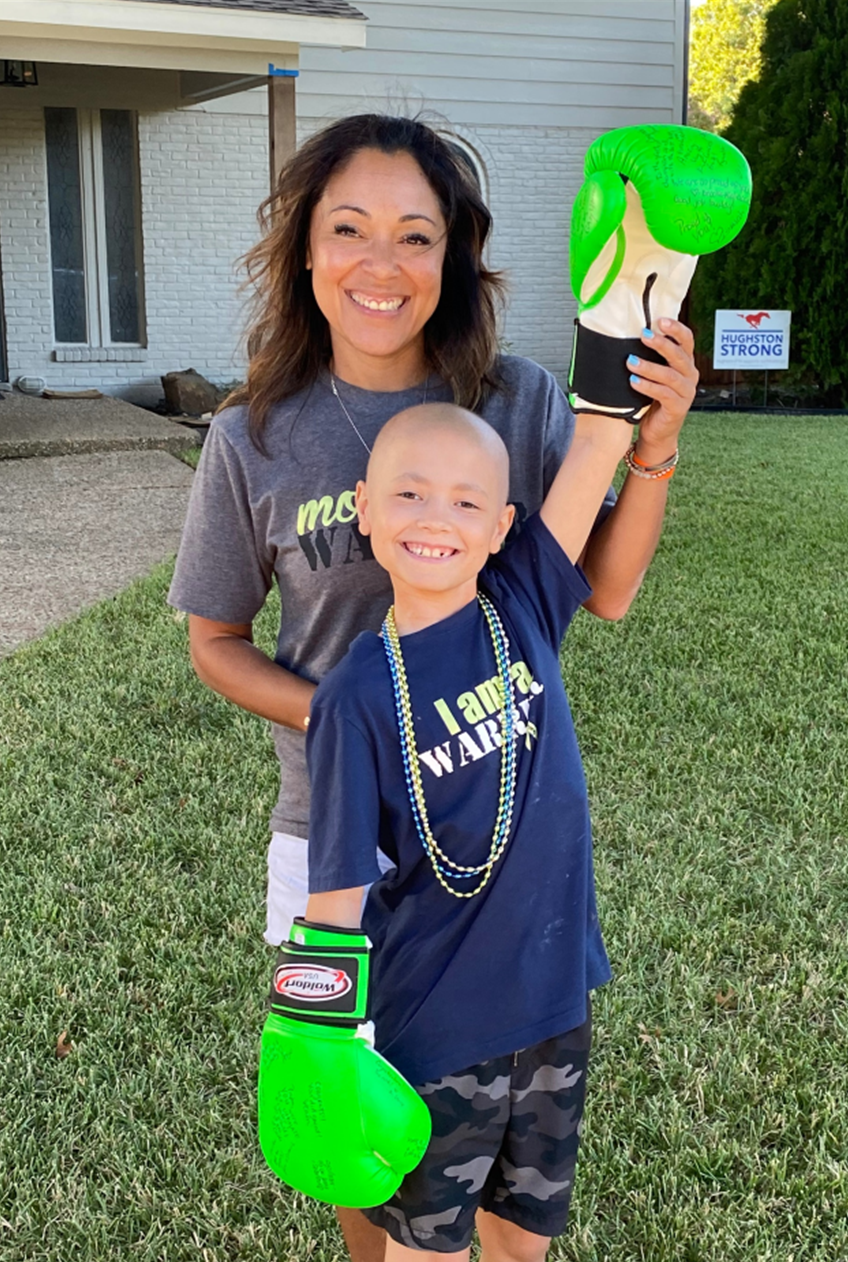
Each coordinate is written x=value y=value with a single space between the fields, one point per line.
x=133 y=808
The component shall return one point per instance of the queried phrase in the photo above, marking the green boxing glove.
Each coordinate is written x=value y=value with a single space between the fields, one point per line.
x=336 y=1120
x=654 y=198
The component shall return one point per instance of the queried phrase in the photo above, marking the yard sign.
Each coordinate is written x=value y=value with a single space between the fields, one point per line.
x=751 y=339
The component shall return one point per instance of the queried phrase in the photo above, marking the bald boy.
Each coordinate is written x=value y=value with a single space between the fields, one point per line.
x=446 y=744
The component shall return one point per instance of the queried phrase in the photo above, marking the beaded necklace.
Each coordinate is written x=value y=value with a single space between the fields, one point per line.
x=444 y=867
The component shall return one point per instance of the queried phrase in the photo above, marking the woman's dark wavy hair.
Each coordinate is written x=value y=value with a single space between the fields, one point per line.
x=288 y=338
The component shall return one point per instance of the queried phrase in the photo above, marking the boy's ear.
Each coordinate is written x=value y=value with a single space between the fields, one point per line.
x=361 y=501
x=503 y=527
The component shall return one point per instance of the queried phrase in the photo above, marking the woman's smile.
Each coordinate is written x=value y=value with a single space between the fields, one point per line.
x=379 y=305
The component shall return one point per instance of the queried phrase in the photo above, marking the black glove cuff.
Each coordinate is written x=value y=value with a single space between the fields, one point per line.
x=599 y=371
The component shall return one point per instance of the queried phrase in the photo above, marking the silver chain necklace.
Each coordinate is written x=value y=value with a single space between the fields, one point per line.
x=352 y=422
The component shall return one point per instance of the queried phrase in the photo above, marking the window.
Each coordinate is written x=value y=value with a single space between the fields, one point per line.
x=95 y=227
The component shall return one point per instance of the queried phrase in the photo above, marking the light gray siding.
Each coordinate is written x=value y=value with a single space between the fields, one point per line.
x=551 y=63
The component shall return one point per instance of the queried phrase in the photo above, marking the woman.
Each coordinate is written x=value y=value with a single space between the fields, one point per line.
x=372 y=296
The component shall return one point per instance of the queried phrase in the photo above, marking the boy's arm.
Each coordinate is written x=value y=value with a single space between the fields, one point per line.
x=576 y=494
x=344 y=815
x=340 y=908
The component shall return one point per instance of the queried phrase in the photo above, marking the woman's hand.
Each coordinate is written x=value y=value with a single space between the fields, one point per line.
x=671 y=386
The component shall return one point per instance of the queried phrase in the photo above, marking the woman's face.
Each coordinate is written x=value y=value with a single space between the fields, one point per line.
x=376 y=248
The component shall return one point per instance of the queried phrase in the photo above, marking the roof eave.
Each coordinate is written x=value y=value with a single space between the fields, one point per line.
x=170 y=36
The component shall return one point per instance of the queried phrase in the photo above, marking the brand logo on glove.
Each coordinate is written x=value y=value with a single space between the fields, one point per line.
x=313 y=983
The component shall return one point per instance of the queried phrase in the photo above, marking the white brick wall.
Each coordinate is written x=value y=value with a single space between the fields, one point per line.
x=24 y=240
x=534 y=175
x=202 y=177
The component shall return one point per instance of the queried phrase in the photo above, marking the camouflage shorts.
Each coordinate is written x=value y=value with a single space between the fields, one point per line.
x=505 y=1138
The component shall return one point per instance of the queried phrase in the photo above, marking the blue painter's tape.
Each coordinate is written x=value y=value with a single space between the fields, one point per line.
x=286 y=74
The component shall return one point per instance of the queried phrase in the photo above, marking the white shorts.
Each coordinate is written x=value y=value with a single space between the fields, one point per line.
x=288 y=884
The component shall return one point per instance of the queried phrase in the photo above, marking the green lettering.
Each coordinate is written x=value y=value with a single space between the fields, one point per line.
x=307 y=514
x=345 y=507
x=447 y=718
x=491 y=694
x=471 y=709
x=521 y=676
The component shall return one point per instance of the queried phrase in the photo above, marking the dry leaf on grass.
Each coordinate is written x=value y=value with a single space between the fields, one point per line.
x=64 y=1046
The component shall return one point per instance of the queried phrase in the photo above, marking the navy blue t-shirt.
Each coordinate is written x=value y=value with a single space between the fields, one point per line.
x=457 y=981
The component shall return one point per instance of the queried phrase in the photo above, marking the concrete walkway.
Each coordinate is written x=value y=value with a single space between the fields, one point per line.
x=62 y=427
x=76 y=528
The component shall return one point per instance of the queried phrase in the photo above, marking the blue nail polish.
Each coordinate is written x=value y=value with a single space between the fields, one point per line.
x=632 y=360
x=634 y=381
x=647 y=333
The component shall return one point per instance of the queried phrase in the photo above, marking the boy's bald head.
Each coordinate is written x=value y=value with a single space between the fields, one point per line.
x=434 y=501
x=427 y=420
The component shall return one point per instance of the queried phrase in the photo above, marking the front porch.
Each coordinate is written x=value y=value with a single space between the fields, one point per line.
x=131 y=175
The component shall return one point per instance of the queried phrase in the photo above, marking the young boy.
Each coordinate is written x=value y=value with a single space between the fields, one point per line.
x=448 y=741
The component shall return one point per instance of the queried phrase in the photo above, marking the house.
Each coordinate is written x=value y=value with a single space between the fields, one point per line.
x=125 y=200
x=130 y=175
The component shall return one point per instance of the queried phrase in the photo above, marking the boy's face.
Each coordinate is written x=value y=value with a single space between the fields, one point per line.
x=434 y=507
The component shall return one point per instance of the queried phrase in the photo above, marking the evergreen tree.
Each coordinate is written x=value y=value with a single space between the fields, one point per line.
x=792 y=126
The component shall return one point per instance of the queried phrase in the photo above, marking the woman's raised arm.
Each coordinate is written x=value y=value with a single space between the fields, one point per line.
x=618 y=554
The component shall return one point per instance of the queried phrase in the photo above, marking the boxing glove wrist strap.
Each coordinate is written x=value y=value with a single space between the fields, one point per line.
x=321 y=975
x=599 y=368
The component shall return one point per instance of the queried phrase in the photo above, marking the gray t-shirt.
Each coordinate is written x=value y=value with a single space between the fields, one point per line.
x=290 y=516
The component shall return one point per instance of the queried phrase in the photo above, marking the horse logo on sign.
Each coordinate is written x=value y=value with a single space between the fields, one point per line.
x=754 y=317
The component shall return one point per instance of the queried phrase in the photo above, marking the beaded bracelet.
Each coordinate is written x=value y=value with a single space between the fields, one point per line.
x=651 y=473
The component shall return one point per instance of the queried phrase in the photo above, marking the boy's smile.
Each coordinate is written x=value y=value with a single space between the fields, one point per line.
x=428 y=552
x=434 y=506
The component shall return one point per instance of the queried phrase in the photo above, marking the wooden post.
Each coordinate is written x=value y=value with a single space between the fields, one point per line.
x=282 y=122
